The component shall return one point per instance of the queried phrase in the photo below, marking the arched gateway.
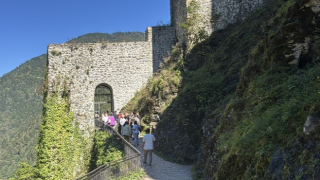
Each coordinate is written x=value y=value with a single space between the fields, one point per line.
x=103 y=99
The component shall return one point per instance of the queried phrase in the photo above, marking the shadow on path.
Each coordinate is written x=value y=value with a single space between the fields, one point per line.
x=164 y=170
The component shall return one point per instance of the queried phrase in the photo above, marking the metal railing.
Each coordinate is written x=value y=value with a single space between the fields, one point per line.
x=117 y=168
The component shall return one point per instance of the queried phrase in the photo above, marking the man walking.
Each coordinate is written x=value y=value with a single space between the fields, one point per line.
x=147 y=146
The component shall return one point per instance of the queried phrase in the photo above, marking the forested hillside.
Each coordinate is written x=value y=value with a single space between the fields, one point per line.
x=20 y=107
x=21 y=104
x=104 y=37
x=235 y=105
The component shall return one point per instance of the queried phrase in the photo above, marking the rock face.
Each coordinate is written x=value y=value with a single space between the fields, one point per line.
x=311 y=124
x=283 y=161
x=299 y=160
x=178 y=129
x=174 y=137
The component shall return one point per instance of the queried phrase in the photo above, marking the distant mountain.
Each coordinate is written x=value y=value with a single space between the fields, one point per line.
x=104 y=37
x=21 y=104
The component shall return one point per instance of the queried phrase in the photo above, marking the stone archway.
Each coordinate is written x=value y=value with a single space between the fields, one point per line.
x=103 y=100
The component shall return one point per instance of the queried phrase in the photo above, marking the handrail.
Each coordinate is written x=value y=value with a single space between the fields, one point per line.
x=105 y=165
x=123 y=140
x=118 y=167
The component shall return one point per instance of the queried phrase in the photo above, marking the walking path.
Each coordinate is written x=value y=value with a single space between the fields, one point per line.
x=164 y=170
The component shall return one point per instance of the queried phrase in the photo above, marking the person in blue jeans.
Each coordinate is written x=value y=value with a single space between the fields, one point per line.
x=136 y=132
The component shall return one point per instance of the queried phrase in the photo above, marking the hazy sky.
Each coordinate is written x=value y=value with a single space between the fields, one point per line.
x=28 y=26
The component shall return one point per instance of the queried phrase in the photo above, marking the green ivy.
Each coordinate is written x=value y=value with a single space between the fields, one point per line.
x=105 y=149
x=192 y=25
x=60 y=146
x=136 y=175
x=55 y=150
x=25 y=172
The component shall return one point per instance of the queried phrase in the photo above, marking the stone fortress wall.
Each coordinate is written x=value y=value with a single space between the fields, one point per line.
x=216 y=14
x=126 y=67
x=163 y=39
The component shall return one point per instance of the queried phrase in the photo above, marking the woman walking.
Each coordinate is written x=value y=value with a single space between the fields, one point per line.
x=136 y=133
x=111 y=120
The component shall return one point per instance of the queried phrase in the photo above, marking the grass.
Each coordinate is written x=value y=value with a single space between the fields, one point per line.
x=136 y=175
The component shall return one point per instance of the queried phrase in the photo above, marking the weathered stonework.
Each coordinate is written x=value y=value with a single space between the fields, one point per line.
x=125 y=67
x=163 y=39
x=231 y=11
x=216 y=14
x=178 y=15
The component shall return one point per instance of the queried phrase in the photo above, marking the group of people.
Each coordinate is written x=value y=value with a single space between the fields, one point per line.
x=128 y=125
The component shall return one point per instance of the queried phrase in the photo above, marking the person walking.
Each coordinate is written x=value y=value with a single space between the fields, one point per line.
x=121 y=122
x=126 y=131
x=105 y=118
x=147 y=146
x=136 y=133
x=111 y=120
x=115 y=114
x=135 y=118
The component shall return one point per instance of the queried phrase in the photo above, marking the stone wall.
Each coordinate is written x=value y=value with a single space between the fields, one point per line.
x=216 y=14
x=206 y=13
x=125 y=67
x=231 y=11
x=178 y=15
x=163 y=39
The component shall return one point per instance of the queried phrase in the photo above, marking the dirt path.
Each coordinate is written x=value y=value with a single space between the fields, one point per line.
x=164 y=170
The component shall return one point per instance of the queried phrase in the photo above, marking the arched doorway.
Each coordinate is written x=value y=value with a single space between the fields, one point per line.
x=103 y=100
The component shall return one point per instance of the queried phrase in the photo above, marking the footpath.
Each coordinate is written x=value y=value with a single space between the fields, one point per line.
x=164 y=170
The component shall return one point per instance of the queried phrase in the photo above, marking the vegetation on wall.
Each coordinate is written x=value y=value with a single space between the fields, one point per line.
x=105 y=149
x=58 y=142
x=55 y=158
x=63 y=152
x=193 y=25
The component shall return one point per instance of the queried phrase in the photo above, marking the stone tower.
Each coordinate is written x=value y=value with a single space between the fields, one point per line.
x=215 y=14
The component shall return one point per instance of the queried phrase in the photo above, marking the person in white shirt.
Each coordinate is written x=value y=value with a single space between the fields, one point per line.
x=147 y=146
x=122 y=120
x=105 y=117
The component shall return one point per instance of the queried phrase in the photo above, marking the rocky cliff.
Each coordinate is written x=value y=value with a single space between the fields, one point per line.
x=236 y=105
